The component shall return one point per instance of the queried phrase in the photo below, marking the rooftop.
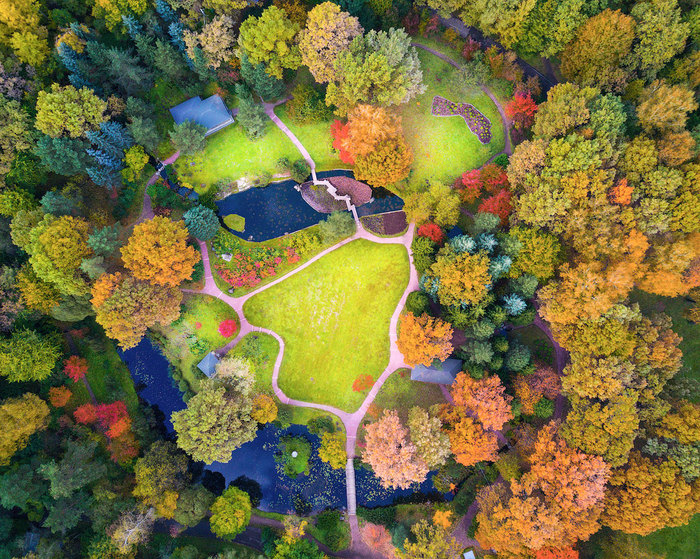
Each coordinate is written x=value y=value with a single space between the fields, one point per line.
x=208 y=364
x=442 y=373
x=212 y=113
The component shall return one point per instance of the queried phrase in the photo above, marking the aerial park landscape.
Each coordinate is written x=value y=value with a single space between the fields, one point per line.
x=362 y=279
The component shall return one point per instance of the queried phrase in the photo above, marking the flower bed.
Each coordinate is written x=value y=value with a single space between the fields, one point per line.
x=248 y=265
x=478 y=123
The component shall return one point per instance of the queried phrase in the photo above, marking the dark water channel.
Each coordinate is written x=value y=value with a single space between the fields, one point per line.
x=323 y=487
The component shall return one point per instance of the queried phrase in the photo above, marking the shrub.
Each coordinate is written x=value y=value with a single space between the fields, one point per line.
x=228 y=327
x=75 y=367
x=418 y=303
x=332 y=530
x=386 y=516
x=300 y=170
x=423 y=250
x=235 y=222
x=466 y=495
x=433 y=232
x=321 y=424
x=336 y=226
x=501 y=160
x=544 y=408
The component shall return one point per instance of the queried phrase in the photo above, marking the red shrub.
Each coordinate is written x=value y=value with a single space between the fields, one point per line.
x=228 y=328
x=85 y=414
x=113 y=418
x=469 y=48
x=521 y=110
x=75 y=367
x=197 y=325
x=362 y=383
x=433 y=232
x=499 y=205
x=494 y=178
x=471 y=186
x=59 y=396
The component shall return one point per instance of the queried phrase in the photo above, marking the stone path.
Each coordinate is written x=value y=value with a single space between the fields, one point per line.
x=351 y=421
x=508 y=149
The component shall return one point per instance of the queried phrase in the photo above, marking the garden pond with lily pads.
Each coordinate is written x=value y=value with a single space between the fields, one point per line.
x=323 y=488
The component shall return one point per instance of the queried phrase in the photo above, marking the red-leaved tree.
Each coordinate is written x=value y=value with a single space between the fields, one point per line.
x=521 y=111
x=75 y=367
x=362 y=382
x=498 y=204
x=339 y=131
x=113 y=418
x=59 y=396
x=433 y=232
x=556 y=553
x=85 y=414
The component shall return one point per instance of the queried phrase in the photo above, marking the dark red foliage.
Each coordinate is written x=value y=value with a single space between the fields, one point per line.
x=228 y=328
x=471 y=186
x=113 y=418
x=75 y=367
x=470 y=47
x=494 y=178
x=433 y=232
x=498 y=204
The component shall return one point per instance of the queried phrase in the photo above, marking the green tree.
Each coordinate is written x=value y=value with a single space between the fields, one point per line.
x=15 y=134
x=67 y=111
x=251 y=115
x=215 y=423
x=201 y=222
x=265 y=85
x=188 y=137
x=65 y=513
x=77 y=468
x=65 y=156
x=439 y=204
x=230 y=513
x=336 y=226
x=566 y=108
x=145 y=132
x=161 y=474
x=661 y=34
x=27 y=355
x=378 y=68
x=21 y=418
x=193 y=504
x=270 y=39
x=105 y=240
x=328 y=32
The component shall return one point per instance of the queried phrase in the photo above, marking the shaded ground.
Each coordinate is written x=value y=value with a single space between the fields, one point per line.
x=393 y=223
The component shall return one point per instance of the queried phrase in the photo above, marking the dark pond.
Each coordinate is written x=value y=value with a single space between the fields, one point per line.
x=323 y=487
x=279 y=209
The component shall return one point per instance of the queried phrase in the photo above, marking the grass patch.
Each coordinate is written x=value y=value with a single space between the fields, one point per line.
x=538 y=343
x=674 y=307
x=235 y=222
x=108 y=376
x=316 y=138
x=195 y=333
x=444 y=147
x=401 y=393
x=231 y=155
x=681 y=542
x=264 y=358
x=334 y=317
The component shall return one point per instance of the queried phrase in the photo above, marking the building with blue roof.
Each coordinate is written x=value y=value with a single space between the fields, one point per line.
x=212 y=113
x=441 y=373
x=208 y=364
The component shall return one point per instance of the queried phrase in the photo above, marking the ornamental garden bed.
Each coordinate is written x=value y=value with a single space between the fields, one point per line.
x=478 y=123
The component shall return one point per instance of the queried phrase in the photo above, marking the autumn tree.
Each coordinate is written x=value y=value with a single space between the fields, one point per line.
x=521 y=111
x=264 y=409
x=270 y=39
x=483 y=399
x=539 y=253
x=377 y=538
x=36 y=294
x=554 y=504
x=462 y=278
x=594 y=57
x=469 y=441
x=431 y=442
x=21 y=418
x=230 y=513
x=328 y=32
x=126 y=307
x=157 y=251
x=422 y=339
x=67 y=111
x=391 y=454
x=28 y=356
x=431 y=541
x=332 y=450
x=439 y=204
x=216 y=39
x=378 y=68
x=646 y=495
x=134 y=526
x=389 y=163
x=367 y=126
x=682 y=424
x=161 y=473
x=59 y=396
x=15 y=135
x=215 y=423
x=75 y=367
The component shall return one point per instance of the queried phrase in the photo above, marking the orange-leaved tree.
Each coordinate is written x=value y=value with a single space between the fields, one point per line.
x=391 y=454
x=422 y=339
x=157 y=252
x=484 y=399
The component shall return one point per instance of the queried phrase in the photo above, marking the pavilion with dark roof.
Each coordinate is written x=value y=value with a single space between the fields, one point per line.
x=212 y=113
x=441 y=373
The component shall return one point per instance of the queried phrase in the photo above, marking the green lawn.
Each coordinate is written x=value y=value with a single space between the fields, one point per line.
x=537 y=342
x=444 y=147
x=186 y=344
x=231 y=155
x=268 y=349
x=690 y=332
x=401 y=393
x=334 y=317
x=316 y=138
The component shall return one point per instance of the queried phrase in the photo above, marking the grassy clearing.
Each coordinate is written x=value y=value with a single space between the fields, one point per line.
x=268 y=349
x=674 y=307
x=444 y=147
x=283 y=269
x=231 y=155
x=334 y=317
x=401 y=393
x=316 y=138
x=538 y=343
x=681 y=542
x=195 y=333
